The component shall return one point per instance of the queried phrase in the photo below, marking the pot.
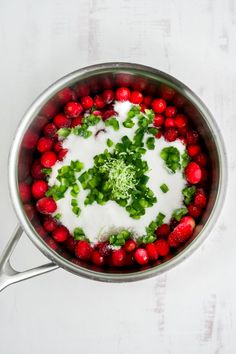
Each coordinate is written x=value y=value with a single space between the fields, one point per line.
x=92 y=79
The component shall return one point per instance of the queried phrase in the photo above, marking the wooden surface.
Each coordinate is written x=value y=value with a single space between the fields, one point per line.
x=192 y=309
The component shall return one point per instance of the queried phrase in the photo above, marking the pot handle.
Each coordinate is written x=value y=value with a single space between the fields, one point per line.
x=8 y=275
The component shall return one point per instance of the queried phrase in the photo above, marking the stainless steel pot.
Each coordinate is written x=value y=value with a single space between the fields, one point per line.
x=93 y=79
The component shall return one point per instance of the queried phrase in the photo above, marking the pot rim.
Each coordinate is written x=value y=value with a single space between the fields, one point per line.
x=89 y=273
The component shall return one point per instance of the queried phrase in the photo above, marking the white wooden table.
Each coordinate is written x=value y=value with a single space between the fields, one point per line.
x=192 y=309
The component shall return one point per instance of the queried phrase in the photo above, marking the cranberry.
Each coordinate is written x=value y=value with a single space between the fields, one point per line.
x=143 y=107
x=49 y=224
x=193 y=150
x=39 y=188
x=62 y=153
x=168 y=93
x=30 y=211
x=141 y=256
x=173 y=240
x=158 y=120
x=50 y=109
x=87 y=102
x=123 y=94
x=70 y=244
x=97 y=258
x=130 y=245
x=159 y=105
x=108 y=114
x=192 y=137
x=170 y=111
x=169 y=123
x=76 y=121
x=58 y=146
x=163 y=231
x=158 y=135
x=83 y=250
x=99 y=102
x=48 y=159
x=46 y=205
x=194 y=211
x=118 y=257
x=73 y=109
x=25 y=192
x=152 y=252
x=201 y=159
x=171 y=134
x=50 y=130
x=97 y=113
x=108 y=96
x=60 y=234
x=147 y=101
x=61 y=121
x=193 y=173
x=51 y=243
x=44 y=144
x=103 y=249
x=136 y=97
x=200 y=200
x=40 y=230
x=30 y=140
x=65 y=95
x=162 y=247
x=180 y=121
x=36 y=170
x=183 y=140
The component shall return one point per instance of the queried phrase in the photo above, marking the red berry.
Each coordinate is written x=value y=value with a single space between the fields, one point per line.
x=193 y=173
x=143 y=107
x=48 y=159
x=44 y=144
x=97 y=258
x=108 y=96
x=200 y=200
x=169 y=123
x=180 y=121
x=50 y=109
x=97 y=113
x=87 y=102
x=129 y=245
x=70 y=244
x=188 y=220
x=122 y=94
x=147 y=100
x=99 y=102
x=65 y=95
x=40 y=230
x=118 y=257
x=104 y=249
x=46 y=205
x=83 y=250
x=73 y=109
x=152 y=252
x=108 y=114
x=50 y=130
x=58 y=146
x=173 y=240
x=158 y=135
x=201 y=159
x=39 y=188
x=61 y=121
x=62 y=153
x=49 y=224
x=192 y=137
x=183 y=140
x=51 y=243
x=30 y=140
x=36 y=170
x=180 y=234
x=194 y=211
x=76 y=121
x=171 y=134
x=162 y=247
x=167 y=93
x=158 y=120
x=158 y=105
x=136 y=97
x=25 y=192
x=163 y=231
x=170 y=111
x=193 y=150
x=141 y=256
x=30 y=211
x=60 y=234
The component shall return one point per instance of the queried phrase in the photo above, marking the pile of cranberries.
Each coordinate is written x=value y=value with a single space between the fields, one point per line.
x=172 y=124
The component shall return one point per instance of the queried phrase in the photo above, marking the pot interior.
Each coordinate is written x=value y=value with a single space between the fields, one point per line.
x=93 y=80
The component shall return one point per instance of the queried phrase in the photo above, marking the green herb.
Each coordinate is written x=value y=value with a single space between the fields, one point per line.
x=79 y=234
x=150 y=229
x=185 y=159
x=152 y=130
x=150 y=143
x=171 y=156
x=109 y=142
x=188 y=193
x=57 y=216
x=128 y=123
x=179 y=213
x=47 y=171
x=64 y=132
x=120 y=238
x=112 y=122
x=82 y=131
x=91 y=120
x=164 y=188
